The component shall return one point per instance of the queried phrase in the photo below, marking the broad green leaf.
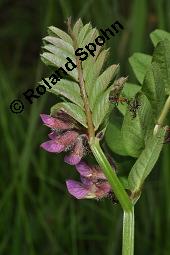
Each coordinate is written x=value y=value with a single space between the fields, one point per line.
x=146 y=116
x=162 y=57
x=64 y=36
x=113 y=137
x=159 y=35
x=73 y=110
x=68 y=89
x=135 y=131
x=132 y=134
x=146 y=161
x=77 y=27
x=153 y=88
x=56 y=61
x=101 y=84
x=140 y=63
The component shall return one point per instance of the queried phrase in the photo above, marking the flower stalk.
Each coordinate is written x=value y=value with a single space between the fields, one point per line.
x=116 y=185
x=128 y=233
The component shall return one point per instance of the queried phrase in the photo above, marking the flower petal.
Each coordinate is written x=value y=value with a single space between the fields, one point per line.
x=76 y=189
x=52 y=135
x=67 y=139
x=72 y=159
x=102 y=189
x=52 y=146
x=76 y=154
x=86 y=181
x=55 y=122
x=84 y=169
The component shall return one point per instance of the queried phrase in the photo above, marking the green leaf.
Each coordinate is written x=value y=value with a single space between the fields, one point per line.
x=77 y=27
x=101 y=84
x=113 y=136
x=60 y=44
x=153 y=88
x=146 y=161
x=132 y=134
x=92 y=68
x=64 y=36
x=83 y=33
x=135 y=131
x=71 y=109
x=68 y=89
x=101 y=108
x=129 y=91
x=90 y=37
x=59 y=51
x=58 y=61
x=140 y=63
x=162 y=57
x=159 y=35
x=146 y=117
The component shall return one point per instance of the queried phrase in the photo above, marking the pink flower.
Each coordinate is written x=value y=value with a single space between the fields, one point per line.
x=93 y=183
x=64 y=137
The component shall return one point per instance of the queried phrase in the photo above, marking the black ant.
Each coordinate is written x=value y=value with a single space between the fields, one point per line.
x=133 y=107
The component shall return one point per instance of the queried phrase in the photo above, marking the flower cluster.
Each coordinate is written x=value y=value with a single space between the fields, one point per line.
x=93 y=183
x=65 y=136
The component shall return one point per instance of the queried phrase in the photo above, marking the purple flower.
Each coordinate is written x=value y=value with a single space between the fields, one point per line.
x=65 y=136
x=93 y=183
x=92 y=172
x=88 y=189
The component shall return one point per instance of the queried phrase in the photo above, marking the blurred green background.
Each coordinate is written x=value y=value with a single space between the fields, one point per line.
x=37 y=216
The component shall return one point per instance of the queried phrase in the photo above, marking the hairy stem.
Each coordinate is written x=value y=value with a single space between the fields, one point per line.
x=128 y=233
x=111 y=176
x=90 y=125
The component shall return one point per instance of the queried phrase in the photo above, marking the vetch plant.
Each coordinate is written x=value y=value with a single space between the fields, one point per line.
x=81 y=125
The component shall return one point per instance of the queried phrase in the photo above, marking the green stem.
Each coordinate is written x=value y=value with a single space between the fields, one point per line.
x=128 y=233
x=111 y=176
x=164 y=112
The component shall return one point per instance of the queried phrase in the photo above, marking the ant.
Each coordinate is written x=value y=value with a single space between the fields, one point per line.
x=133 y=104
x=116 y=100
x=133 y=107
